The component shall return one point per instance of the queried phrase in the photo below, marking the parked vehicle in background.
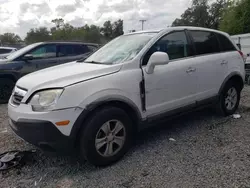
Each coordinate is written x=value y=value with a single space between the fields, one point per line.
x=36 y=57
x=5 y=51
x=98 y=104
x=243 y=41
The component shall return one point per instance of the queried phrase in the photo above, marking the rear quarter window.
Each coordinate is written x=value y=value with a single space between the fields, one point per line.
x=225 y=44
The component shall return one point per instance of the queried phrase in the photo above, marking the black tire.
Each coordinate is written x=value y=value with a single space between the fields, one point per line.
x=6 y=87
x=221 y=106
x=93 y=125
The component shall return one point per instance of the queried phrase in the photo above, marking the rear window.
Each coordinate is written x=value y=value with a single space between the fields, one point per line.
x=205 y=42
x=5 y=51
x=225 y=43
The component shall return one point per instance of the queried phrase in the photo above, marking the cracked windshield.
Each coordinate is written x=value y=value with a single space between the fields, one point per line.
x=124 y=93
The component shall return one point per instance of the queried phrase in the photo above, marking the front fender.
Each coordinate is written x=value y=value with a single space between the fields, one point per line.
x=109 y=95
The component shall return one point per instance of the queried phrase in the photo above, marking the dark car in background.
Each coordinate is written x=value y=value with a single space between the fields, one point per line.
x=38 y=56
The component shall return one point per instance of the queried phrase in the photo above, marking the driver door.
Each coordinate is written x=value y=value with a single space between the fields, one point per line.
x=172 y=85
x=41 y=57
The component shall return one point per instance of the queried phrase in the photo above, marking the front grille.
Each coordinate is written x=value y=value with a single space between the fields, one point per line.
x=17 y=96
x=16 y=99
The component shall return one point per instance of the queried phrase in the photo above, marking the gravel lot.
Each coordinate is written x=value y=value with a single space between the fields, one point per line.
x=209 y=151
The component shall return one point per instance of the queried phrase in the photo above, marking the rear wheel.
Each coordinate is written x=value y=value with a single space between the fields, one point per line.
x=107 y=136
x=229 y=99
x=6 y=87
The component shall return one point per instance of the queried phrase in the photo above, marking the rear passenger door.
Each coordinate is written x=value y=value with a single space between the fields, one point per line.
x=208 y=63
x=71 y=52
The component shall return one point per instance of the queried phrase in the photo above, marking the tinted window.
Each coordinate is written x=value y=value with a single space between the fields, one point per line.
x=45 y=51
x=225 y=43
x=5 y=51
x=175 y=44
x=72 y=50
x=205 y=42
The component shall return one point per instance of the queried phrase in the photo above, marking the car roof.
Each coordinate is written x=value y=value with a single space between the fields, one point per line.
x=68 y=42
x=168 y=29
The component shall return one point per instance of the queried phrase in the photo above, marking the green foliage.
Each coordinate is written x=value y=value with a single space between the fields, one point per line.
x=66 y=32
x=201 y=14
x=236 y=18
x=9 y=38
x=38 y=35
x=58 y=22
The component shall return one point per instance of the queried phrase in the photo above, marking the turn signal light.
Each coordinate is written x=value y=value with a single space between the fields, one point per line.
x=62 y=123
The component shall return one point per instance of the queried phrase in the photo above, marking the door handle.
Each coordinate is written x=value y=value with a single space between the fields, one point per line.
x=224 y=62
x=190 y=69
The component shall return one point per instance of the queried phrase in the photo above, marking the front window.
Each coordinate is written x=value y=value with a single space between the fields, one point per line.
x=175 y=44
x=46 y=51
x=121 y=49
x=20 y=52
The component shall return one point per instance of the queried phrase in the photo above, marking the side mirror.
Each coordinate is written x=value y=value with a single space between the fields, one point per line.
x=28 y=57
x=157 y=58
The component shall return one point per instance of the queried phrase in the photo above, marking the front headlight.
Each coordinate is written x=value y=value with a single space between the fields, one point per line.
x=45 y=100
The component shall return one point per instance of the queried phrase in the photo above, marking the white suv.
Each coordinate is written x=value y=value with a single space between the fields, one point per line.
x=98 y=104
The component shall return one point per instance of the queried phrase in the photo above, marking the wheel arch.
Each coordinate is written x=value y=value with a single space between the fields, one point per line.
x=234 y=76
x=127 y=105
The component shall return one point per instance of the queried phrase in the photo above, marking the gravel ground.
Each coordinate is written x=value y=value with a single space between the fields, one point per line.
x=208 y=151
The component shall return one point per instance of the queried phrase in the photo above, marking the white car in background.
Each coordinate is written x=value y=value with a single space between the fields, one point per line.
x=243 y=41
x=5 y=51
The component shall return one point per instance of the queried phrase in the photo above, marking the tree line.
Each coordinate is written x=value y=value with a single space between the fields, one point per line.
x=65 y=32
x=231 y=16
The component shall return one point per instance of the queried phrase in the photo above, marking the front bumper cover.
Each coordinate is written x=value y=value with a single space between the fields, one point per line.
x=42 y=134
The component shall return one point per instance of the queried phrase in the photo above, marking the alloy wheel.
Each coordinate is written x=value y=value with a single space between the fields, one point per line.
x=110 y=138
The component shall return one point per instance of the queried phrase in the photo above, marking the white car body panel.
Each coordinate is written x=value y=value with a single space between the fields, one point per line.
x=70 y=114
x=64 y=75
x=170 y=86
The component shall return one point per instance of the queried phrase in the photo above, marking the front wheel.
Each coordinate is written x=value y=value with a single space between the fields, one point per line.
x=229 y=99
x=107 y=136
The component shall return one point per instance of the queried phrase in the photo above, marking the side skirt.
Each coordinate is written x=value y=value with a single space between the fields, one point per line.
x=166 y=116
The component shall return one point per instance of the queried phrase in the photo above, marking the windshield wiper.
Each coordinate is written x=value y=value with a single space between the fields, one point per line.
x=81 y=60
x=94 y=62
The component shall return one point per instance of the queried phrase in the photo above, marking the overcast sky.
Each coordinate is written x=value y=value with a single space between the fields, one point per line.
x=20 y=15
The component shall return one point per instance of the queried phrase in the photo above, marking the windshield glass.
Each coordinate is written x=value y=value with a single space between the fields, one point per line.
x=21 y=51
x=121 y=49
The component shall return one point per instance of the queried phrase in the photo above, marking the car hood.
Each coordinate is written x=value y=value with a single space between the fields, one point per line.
x=65 y=74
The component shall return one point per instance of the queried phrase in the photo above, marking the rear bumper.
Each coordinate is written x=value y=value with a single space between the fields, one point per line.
x=42 y=134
